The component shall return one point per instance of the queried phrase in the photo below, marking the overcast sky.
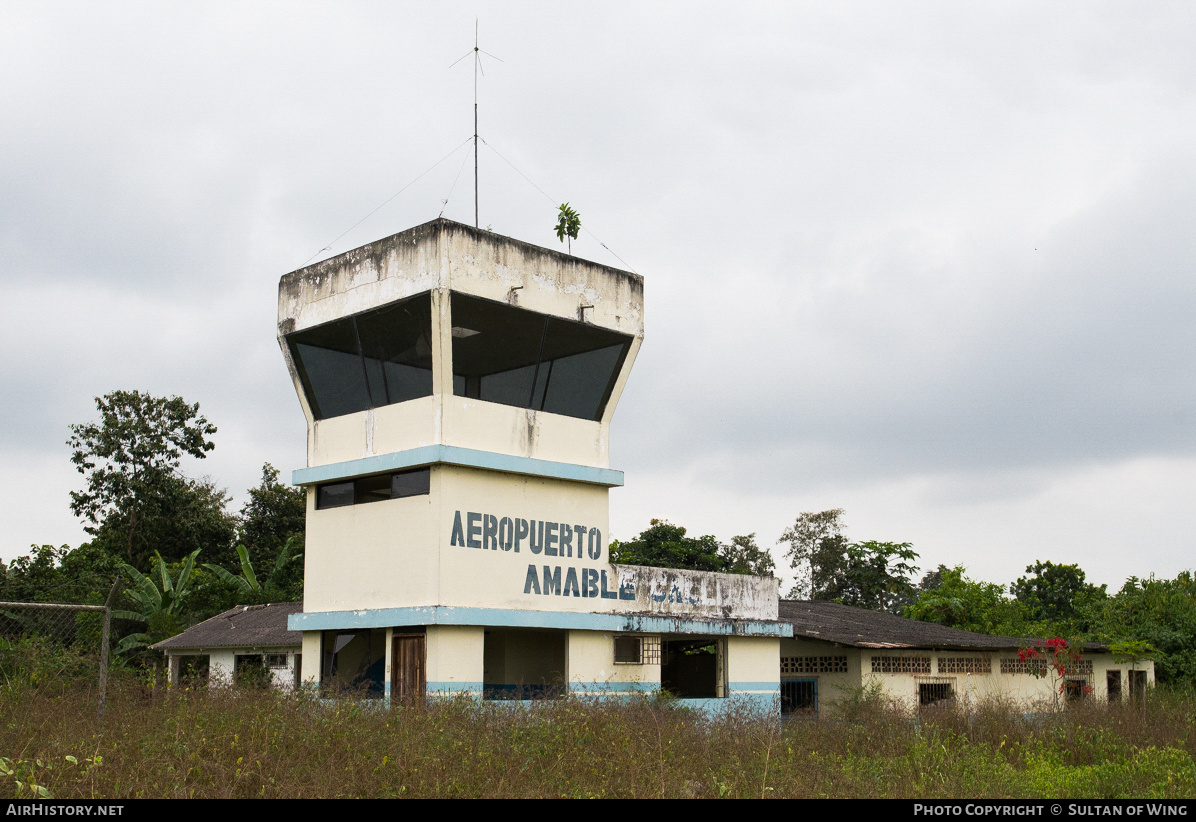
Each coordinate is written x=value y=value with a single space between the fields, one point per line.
x=930 y=263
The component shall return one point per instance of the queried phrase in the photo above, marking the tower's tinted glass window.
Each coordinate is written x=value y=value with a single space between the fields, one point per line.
x=515 y=357
x=367 y=360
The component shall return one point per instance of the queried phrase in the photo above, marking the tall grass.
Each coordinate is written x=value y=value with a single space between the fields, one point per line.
x=229 y=743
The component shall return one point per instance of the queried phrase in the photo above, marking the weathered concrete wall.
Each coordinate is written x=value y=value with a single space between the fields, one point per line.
x=593 y=670
x=442 y=257
x=720 y=596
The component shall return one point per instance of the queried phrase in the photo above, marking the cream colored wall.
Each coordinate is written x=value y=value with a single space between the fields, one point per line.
x=496 y=578
x=833 y=688
x=1023 y=689
x=220 y=668
x=455 y=654
x=312 y=657
x=376 y=555
x=522 y=432
x=592 y=662
x=752 y=659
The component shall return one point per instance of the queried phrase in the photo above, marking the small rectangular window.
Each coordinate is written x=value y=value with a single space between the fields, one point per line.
x=629 y=650
x=334 y=495
x=276 y=661
x=371 y=489
x=411 y=483
x=374 y=488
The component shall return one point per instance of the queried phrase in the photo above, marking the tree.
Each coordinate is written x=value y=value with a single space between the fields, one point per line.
x=743 y=556
x=664 y=545
x=1162 y=613
x=568 y=224
x=947 y=597
x=875 y=575
x=274 y=514
x=1057 y=594
x=816 y=550
x=252 y=591
x=182 y=515
x=1056 y=658
x=130 y=456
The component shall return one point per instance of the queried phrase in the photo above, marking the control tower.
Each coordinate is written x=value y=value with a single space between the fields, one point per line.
x=458 y=387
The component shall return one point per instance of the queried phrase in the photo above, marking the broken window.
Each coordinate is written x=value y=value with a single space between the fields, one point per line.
x=1138 y=683
x=799 y=696
x=693 y=668
x=374 y=488
x=193 y=671
x=517 y=357
x=249 y=671
x=367 y=360
x=354 y=661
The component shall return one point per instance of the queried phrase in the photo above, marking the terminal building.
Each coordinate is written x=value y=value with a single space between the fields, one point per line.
x=459 y=388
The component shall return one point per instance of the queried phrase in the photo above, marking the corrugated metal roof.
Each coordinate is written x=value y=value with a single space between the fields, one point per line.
x=246 y=626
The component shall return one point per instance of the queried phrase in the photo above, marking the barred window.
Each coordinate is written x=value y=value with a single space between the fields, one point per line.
x=276 y=660
x=813 y=665
x=901 y=665
x=965 y=665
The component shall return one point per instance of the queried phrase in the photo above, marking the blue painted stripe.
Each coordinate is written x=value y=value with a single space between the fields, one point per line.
x=766 y=704
x=773 y=687
x=453 y=687
x=504 y=618
x=613 y=687
x=455 y=455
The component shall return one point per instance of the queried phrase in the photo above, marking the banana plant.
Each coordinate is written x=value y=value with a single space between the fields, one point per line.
x=247 y=583
x=159 y=602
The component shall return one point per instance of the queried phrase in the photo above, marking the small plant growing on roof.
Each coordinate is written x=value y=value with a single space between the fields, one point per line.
x=568 y=224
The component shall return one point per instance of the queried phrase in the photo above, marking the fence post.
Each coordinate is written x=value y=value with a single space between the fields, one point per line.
x=104 y=650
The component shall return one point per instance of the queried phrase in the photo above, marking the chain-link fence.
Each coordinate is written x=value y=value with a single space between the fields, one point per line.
x=56 y=646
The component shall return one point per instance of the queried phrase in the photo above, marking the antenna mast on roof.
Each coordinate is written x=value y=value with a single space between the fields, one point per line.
x=477 y=66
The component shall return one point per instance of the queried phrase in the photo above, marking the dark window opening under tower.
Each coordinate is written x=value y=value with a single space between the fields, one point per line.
x=367 y=360
x=692 y=668
x=354 y=661
x=517 y=357
x=523 y=664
